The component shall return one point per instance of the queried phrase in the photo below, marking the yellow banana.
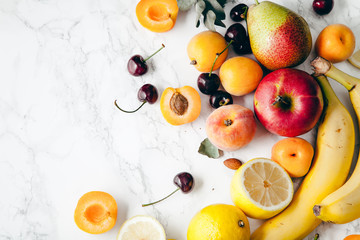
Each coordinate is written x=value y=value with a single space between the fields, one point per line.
x=343 y=205
x=331 y=164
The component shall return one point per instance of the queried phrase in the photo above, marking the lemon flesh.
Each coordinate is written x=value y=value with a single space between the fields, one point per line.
x=141 y=227
x=261 y=188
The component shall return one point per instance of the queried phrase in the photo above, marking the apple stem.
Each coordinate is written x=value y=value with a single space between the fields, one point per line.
x=162 y=46
x=148 y=204
x=217 y=56
x=281 y=99
x=129 y=111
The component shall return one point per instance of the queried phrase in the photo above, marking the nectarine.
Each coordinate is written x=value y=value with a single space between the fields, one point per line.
x=231 y=127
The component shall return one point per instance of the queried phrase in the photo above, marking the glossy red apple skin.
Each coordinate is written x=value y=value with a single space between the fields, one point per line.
x=300 y=90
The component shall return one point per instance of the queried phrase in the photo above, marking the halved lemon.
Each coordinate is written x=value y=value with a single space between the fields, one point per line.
x=355 y=59
x=141 y=227
x=261 y=188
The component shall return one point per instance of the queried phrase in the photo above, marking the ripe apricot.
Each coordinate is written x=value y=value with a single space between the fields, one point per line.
x=352 y=237
x=202 y=50
x=180 y=105
x=96 y=212
x=294 y=155
x=157 y=15
x=231 y=127
x=240 y=75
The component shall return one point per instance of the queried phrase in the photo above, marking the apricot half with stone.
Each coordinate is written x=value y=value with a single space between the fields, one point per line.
x=96 y=212
x=180 y=105
x=157 y=15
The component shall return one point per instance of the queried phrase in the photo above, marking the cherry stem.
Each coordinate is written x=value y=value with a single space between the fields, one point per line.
x=129 y=111
x=162 y=46
x=224 y=102
x=217 y=56
x=148 y=204
x=316 y=236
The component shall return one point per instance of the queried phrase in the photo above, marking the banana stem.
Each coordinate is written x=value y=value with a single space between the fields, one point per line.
x=323 y=66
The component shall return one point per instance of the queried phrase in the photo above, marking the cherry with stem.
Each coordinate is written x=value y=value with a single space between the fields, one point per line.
x=146 y=94
x=184 y=182
x=137 y=65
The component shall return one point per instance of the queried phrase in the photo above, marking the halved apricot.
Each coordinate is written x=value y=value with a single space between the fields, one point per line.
x=96 y=212
x=157 y=15
x=180 y=105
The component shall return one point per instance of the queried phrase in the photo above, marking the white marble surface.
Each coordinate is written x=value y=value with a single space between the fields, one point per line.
x=63 y=63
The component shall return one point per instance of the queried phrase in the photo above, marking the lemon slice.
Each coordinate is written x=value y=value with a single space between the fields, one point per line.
x=141 y=227
x=355 y=59
x=261 y=188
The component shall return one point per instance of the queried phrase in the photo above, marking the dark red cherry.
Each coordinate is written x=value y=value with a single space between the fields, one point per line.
x=323 y=7
x=137 y=64
x=147 y=93
x=237 y=33
x=208 y=83
x=238 y=13
x=243 y=47
x=220 y=98
x=184 y=182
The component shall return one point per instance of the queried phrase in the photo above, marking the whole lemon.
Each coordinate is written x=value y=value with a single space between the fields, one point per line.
x=219 y=221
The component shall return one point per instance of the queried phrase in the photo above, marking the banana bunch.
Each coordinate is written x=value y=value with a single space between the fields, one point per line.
x=331 y=164
x=343 y=205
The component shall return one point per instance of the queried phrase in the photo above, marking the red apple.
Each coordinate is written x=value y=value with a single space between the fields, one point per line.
x=288 y=102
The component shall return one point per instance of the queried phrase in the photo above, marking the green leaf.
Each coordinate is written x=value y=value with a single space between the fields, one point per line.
x=208 y=149
x=185 y=5
x=213 y=13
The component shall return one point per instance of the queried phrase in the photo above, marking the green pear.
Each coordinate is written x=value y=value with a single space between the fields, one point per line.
x=279 y=37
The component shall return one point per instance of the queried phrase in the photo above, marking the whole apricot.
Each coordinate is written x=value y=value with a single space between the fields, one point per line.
x=240 y=75
x=352 y=237
x=231 y=127
x=157 y=15
x=335 y=43
x=180 y=105
x=294 y=155
x=96 y=212
x=202 y=50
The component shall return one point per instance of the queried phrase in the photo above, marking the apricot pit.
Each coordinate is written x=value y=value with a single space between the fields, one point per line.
x=180 y=105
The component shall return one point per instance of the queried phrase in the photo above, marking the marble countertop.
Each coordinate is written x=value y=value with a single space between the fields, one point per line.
x=63 y=63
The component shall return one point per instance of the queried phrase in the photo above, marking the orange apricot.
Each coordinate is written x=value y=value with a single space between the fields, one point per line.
x=240 y=75
x=202 y=50
x=352 y=237
x=180 y=105
x=157 y=15
x=96 y=212
x=294 y=155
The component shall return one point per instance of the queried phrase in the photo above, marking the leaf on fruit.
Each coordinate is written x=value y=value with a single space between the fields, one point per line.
x=185 y=5
x=208 y=149
x=213 y=13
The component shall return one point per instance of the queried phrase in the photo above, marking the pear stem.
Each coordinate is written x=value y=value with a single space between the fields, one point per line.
x=256 y=2
x=148 y=204
x=162 y=46
x=217 y=56
x=129 y=111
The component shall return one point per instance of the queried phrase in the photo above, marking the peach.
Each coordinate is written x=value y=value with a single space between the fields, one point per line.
x=180 y=105
x=231 y=127
x=240 y=75
x=335 y=43
x=294 y=155
x=96 y=212
x=202 y=50
x=157 y=15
